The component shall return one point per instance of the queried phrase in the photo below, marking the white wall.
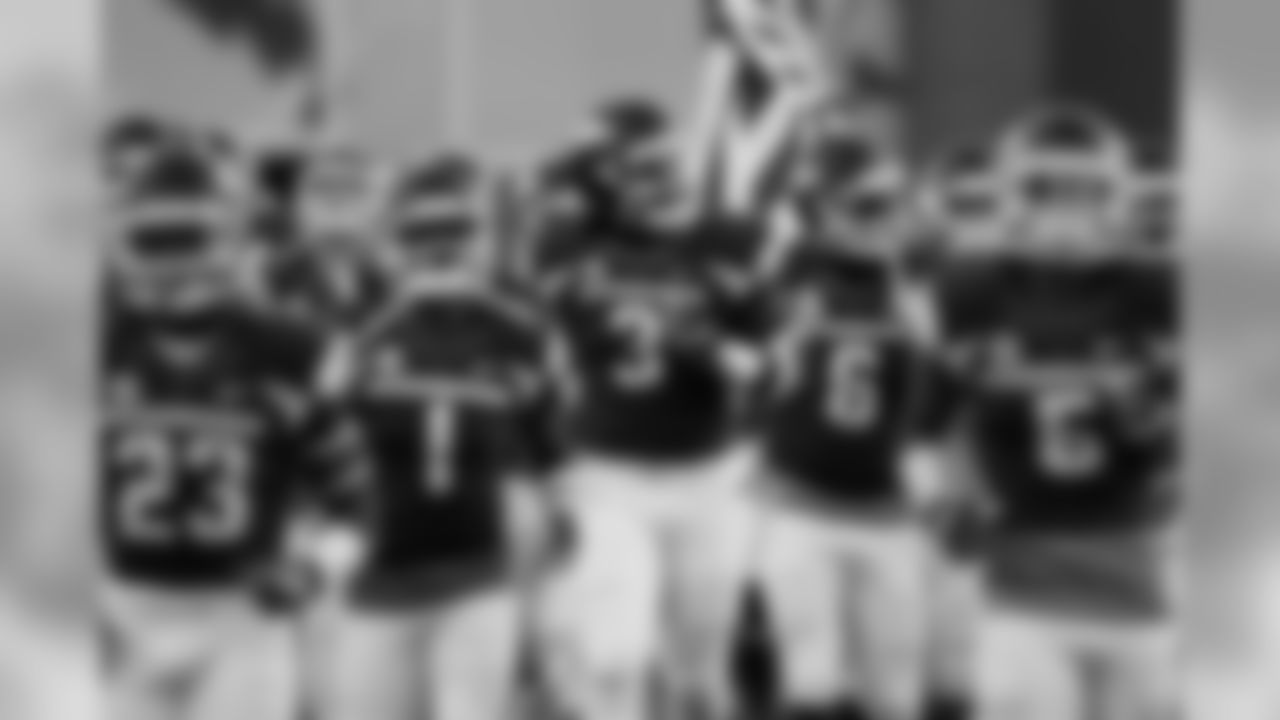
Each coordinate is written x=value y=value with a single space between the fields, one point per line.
x=535 y=66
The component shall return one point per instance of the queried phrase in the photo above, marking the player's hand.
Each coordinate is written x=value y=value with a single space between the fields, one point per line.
x=286 y=587
x=962 y=531
x=539 y=527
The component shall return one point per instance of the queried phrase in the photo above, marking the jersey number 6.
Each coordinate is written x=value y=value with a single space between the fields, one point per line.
x=853 y=400
x=1067 y=449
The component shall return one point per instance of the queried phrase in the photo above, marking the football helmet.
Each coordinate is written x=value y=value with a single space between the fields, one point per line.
x=835 y=153
x=963 y=204
x=1154 y=207
x=868 y=211
x=175 y=241
x=1154 y=211
x=442 y=224
x=631 y=120
x=646 y=183
x=133 y=140
x=276 y=177
x=1070 y=171
x=570 y=190
x=339 y=190
x=836 y=146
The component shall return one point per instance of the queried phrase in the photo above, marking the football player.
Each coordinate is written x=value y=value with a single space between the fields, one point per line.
x=575 y=199
x=1071 y=390
x=276 y=177
x=205 y=436
x=848 y=452
x=328 y=276
x=967 y=215
x=453 y=394
x=965 y=205
x=660 y=315
x=132 y=141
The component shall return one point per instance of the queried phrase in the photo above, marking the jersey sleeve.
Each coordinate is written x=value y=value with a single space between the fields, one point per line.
x=321 y=452
x=1154 y=308
x=940 y=398
x=741 y=294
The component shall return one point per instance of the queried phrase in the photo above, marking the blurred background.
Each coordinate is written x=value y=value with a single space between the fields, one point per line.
x=530 y=69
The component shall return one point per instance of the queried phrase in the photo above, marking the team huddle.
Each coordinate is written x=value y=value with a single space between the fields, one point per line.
x=424 y=441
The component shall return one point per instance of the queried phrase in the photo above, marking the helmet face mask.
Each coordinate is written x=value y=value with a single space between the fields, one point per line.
x=965 y=202
x=440 y=230
x=1071 y=173
x=1066 y=213
x=861 y=221
x=338 y=197
x=442 y=246
x=973 y=219
x=869 y=213
x=132 y=143
x=178 y=259
x=647 y=186
x=175 y=246
x=324 y=223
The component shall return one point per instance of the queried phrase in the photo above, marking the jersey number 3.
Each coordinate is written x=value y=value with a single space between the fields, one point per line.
x=157 y=464
x=641 y=367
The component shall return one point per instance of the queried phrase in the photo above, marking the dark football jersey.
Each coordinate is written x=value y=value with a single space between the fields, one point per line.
x=647 y=320
x=332 y=290
x=453 y=396
x=851 y=388
x=204 y=430
x=1069 y=411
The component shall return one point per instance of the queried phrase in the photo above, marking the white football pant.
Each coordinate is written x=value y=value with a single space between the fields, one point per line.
x=848 y=601
x=689 y=530
x=598 y=623
x=1038 y=665
x=954 y=599
x=455 y=660
x=176 y=656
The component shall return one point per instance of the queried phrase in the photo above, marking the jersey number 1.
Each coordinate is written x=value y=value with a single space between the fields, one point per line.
x=440 y=441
